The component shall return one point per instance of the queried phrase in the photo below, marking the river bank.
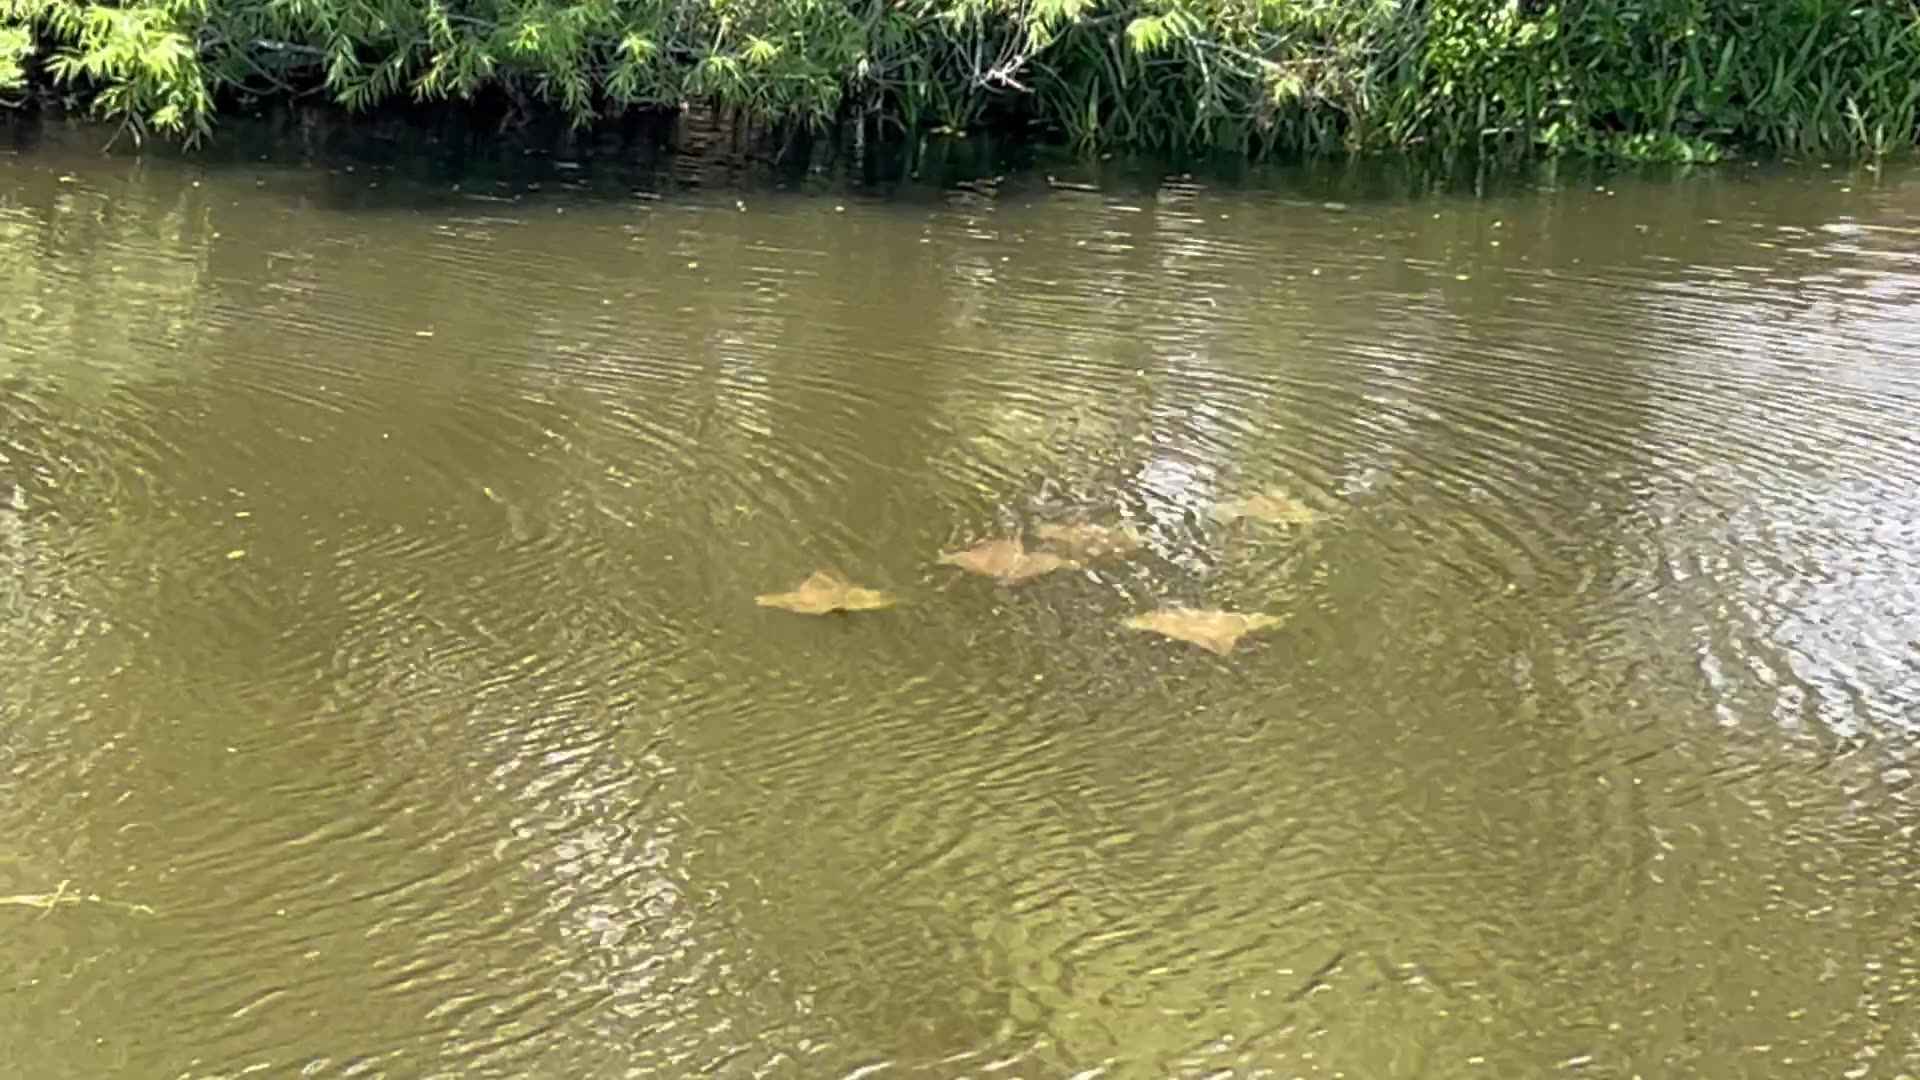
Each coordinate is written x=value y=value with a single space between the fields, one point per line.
x=412 y=154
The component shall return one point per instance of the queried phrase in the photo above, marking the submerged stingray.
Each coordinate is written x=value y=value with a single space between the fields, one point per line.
x=1008 y=560
x=1273 y=507
x=1215 y=631
x=1093 y=541
x=826 y=591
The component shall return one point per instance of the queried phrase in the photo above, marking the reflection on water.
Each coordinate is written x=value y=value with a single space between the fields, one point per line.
x=377 y=590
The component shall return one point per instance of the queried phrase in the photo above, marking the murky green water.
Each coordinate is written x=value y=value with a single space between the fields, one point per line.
x=385 y=694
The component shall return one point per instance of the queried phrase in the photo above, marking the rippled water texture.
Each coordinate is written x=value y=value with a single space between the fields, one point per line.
x=385 y=694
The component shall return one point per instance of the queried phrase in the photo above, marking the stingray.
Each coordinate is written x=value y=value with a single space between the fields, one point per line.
x=1093 y=541
x=826 y=591
x=1008 y=560
x=1273 y=507
x=1215 y=631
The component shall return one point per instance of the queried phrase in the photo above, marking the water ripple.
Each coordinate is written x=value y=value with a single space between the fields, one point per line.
x=380 y=588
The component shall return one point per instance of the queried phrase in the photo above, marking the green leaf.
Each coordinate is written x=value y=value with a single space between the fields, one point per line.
x=759 y=51
x=1148 y=34
x=16 y=44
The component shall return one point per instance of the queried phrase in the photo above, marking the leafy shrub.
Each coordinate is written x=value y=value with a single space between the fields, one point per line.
x=1654 y=79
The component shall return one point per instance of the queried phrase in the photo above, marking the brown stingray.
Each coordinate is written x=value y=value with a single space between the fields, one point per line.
x=1092 y=541
x=826 y=591
x=1273 y=507
x=1008 y=560
x=1215 y=631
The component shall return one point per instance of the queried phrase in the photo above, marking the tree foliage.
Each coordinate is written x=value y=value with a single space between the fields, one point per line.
x=15 y=44
x=1637 y=78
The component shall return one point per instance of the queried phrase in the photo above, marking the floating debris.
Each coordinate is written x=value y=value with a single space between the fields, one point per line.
x=1215 y=631
x=1008 y=560
x=825 y=591
x=46 y=902
x=1273 y=507
x=1093 y=541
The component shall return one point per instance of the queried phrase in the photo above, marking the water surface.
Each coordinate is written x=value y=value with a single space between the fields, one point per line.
x=385 y=693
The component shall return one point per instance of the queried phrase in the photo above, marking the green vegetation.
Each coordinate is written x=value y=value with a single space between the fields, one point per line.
x=1643 y=79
